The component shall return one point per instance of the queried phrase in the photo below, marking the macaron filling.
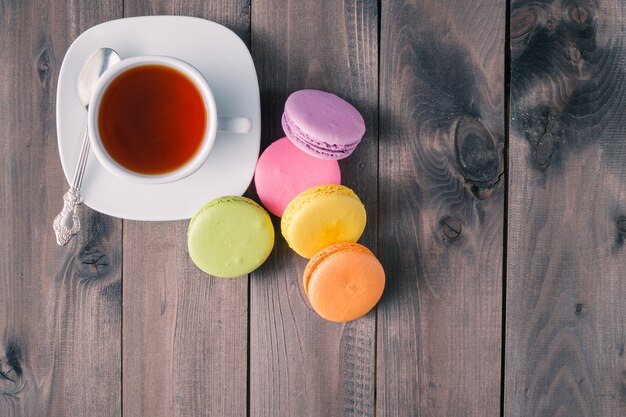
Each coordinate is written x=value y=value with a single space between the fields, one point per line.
x=302 y=139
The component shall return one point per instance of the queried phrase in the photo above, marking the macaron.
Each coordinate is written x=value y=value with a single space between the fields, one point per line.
x=321 y=216
x=322 y=124
x=284 y=171
x=230 y=236
x=344 y=281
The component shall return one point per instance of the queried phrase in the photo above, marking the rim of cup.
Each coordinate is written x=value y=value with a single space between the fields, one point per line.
x=198 y=80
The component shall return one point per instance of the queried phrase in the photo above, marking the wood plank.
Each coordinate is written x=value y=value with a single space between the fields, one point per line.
x=185 y=333
x=565 y=314
x=441 y=207
x=300 y=364
x=60 y=322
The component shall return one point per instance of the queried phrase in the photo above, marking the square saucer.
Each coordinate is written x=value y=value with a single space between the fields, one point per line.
x=223 y=59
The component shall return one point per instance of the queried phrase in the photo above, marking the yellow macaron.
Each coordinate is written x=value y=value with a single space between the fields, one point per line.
x=322 y=216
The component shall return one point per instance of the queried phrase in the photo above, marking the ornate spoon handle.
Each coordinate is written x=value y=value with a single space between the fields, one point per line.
x=66 y=224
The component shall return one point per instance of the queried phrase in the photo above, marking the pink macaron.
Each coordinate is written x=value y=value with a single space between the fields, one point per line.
x=284 y=171
x=322 y=124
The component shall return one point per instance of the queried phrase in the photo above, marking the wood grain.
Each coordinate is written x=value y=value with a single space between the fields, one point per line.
x=185 y=333
x=300 y=364
x=168 y=340
x=567 y=208
x=60 y=319
x=441 y=207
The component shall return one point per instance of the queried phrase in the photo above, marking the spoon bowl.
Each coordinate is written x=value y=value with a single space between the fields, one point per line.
x=94 y=67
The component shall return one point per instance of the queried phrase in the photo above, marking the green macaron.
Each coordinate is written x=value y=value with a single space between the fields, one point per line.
x=230 y=237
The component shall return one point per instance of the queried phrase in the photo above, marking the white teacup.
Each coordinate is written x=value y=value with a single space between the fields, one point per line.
x=237 y=124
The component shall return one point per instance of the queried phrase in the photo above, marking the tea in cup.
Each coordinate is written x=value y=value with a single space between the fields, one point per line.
x=152 y=119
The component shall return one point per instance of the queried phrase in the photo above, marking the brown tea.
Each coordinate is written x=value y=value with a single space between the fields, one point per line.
x=152 y=119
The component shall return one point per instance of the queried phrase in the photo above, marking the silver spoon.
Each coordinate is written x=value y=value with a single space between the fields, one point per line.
x=66 y=224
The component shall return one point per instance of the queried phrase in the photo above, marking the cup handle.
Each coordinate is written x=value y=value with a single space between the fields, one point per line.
x=234 y=125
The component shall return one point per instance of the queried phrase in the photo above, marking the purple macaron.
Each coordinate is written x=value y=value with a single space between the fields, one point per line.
x=322 y=124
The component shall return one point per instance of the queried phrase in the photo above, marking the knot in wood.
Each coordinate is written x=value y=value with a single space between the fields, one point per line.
x=522 y=21
x=580 y=16
x=574 y=54
x=92 y=263
x=43 y=65
x=579 y=308
x=621 y=225
x=8 y=373
x=451 y=228
x=544 y=149
x=476 y=152
x=10 y=368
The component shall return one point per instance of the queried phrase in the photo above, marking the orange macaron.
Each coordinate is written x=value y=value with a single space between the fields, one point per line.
x=344 y=281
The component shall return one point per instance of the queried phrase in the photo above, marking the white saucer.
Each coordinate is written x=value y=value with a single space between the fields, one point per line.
x=222 y=58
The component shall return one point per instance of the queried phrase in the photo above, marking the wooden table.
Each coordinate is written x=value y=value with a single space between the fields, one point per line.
x=494 y=176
